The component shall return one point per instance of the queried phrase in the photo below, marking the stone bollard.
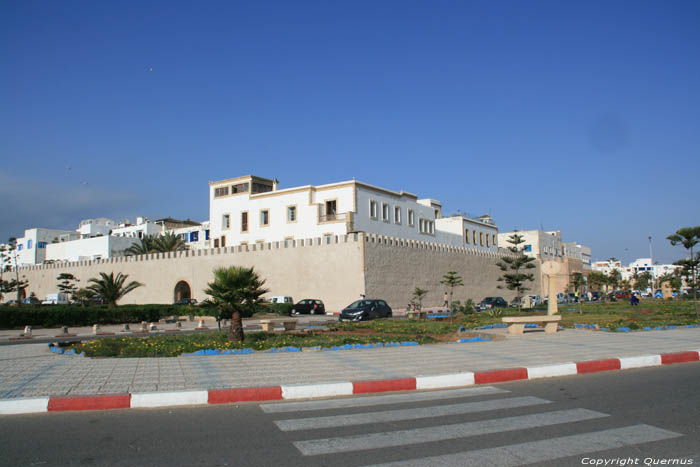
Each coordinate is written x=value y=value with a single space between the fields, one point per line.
x=126 y=328
x=96 y=329
x=144 y=326
x=27 y=331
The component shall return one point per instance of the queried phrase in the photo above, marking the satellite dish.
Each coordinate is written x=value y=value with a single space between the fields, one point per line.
x=551 y=267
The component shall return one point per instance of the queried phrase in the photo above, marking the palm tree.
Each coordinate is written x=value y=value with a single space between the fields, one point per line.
x=143 y=247
x=169 y=242
x=236 y=290
x=688 y=237
x=111 y=288
x=418 y=294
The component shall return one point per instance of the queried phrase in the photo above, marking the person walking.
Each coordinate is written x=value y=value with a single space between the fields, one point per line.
x=446 y=299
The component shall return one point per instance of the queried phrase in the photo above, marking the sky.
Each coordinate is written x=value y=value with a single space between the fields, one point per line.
x=579 y=116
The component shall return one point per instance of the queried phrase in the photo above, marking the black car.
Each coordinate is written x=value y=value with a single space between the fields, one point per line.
x=492 y=302
x=365 y=309
x=311 y=306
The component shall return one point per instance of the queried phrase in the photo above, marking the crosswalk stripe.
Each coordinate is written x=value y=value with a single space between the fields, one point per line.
x=280 y=407
x=545 y=450
x=442 y=432
x=407 y=414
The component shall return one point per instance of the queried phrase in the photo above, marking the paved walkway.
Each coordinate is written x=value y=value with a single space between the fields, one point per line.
x=30 y=370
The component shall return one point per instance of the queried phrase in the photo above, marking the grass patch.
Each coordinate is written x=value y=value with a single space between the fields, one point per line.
x=174 y=345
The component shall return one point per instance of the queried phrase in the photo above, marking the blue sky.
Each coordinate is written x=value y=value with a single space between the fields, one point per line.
x=579 y=116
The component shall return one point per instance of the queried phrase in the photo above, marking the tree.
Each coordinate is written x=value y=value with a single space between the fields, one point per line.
x=643 y=280
x=18 y=285
x=614 y=278
x=169 y=242
x=513 y=265
x=418 y=294
x=83 y=295
x=596 y=280
x=688 y=237
x=157 y=244
x=143 y=247
x=452 y=280
x=111 y=288
x=238 y=291
x=66 y=283
x=577 y=280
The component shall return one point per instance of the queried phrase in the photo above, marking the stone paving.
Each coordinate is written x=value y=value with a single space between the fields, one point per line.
x=30 y=370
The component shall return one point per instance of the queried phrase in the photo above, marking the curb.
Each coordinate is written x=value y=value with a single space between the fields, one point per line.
x=332 y=389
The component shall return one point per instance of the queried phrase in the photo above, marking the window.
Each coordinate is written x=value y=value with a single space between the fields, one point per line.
x=493 y=239
x=244 y=222
x=19 y=247
x=41 y=245
x=487 y=240
x=329 y=210
x=466 y=236
x=216 y=243
x=239 y=188
x=29 y=244
x=425 y=226
x=226 y=221
x=206 y=234
x=223 y=241
x=194 y=236
x=373 y=209
x=397 y=214
x=265 y=217
x=219 y=192
x=261 y=188
x=481 y=238
x=411 y=218
x=291 y=213
x=385 y=212
x=527 y=248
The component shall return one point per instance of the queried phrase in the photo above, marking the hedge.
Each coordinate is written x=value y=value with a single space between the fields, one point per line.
x=51 y=316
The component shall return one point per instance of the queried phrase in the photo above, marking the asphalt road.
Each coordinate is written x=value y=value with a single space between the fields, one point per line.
x=651 y=416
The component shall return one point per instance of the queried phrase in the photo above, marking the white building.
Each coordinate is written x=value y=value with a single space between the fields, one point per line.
x=142 y=228
x=89 y=228
x=545 y=246
x=196 y=236
x=249 y=209
x=89 y=248
x=637 y=266
x=31 y=248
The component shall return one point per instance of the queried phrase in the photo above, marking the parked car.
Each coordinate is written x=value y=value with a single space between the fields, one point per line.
x=281 y=299
x=310 y=306
x=536 y=300
x=31 y=301
x=492 y=302
x=59 y=298
x=572 y=298
x=562 y=298
x=186 y=301
x=365 y=309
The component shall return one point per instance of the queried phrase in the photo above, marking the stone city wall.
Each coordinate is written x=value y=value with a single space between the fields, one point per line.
x=395 y=267
x=335 y=269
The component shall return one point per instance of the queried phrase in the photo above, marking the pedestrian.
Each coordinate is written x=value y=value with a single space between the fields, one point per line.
x=446 y=299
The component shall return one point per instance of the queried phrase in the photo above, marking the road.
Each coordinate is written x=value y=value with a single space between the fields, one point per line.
x=648 y=415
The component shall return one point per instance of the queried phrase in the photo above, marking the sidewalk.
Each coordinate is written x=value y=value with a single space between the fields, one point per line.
x=31 y=371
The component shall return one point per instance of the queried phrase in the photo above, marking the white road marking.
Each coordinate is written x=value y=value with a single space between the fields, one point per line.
x=545 y=450
x=406 y=414
x=442 y=432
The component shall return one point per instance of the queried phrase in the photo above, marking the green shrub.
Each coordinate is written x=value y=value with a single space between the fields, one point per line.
x=51 y=316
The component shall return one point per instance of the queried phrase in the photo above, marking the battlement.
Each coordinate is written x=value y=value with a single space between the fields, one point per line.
x=284 y=244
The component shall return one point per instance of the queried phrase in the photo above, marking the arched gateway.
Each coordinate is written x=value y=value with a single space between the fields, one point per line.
x=182 y=290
